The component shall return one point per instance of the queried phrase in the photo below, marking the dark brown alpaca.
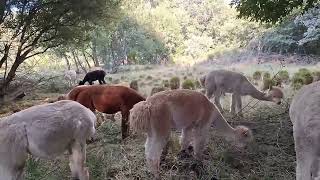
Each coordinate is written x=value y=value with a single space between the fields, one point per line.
x=107 y=99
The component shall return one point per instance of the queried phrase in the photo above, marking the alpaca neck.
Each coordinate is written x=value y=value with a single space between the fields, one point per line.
x=222 y=126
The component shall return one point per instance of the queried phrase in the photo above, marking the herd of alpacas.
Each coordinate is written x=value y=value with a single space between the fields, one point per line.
x=48 y=130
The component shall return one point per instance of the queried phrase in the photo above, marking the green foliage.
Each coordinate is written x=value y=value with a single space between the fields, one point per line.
x=166 y=83
x=268 y=10
x=316 y=75
x=157 y=89
x=302 y=77
x=175 y=83
x=257 y=75
x=268 y=82
x=134 y=85
x=266 y=75
x=283 y=76
x=188 y=84
x=197 y=84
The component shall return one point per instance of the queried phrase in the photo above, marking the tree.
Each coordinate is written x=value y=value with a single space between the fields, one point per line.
x=270 y=11
x=33 y=26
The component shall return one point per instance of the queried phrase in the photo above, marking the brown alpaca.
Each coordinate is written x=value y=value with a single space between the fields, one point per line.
x=219 y=82
x=186 y=110
x=107 y=99
x=305 y=117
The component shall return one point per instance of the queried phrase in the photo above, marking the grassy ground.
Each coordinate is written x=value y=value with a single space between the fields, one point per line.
x=270 y=156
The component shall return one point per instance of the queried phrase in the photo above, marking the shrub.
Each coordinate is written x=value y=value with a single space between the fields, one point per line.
x=266 y=75
x=257 y=75
x=165 y=83
x=297 y=81
x=306 y=75
x=110 y=79
x=175 y=83
x=188 y=84
x=267 y=83
x=185 y=77
x=283 y=75
x=197 y=84
x=316 y=76
x=149 y=77
x=157 y=89
x=134 y=85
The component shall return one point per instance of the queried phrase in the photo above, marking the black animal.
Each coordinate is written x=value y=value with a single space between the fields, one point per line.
x=93 y=76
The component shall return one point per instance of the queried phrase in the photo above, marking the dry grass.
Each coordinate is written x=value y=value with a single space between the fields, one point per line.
x=270 y=156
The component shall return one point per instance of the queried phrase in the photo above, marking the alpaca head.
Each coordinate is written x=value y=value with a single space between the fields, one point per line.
x=243 y=136
x=275 y=95
x=81 y=83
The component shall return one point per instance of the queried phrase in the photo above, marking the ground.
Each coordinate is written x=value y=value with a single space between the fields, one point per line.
x=270 y=156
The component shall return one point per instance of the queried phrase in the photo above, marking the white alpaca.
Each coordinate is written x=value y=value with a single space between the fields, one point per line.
x=71 y=77
x=46 y=131
x=219 y=82
x=187 y=110
x=305 y=117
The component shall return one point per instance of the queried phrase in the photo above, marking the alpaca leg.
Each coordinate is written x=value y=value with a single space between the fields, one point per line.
x=233 y=104
x=200 y=140
x=125 y=124
x=239 y=105
x=103 y=81
x=77 y=161
x=90 y=82
x=217 y=101
x=153 y=149
x=100 y=82
x=186 y=138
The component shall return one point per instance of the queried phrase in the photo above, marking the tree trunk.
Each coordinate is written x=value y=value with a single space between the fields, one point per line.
x=5 y=55
x=11 y=74
x=94 y=53
x=2 y=9
x=76 y=59
x=86 y=59
x=67 y=61
x=76 y=63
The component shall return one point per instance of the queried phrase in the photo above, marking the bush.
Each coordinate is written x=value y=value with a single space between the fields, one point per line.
x=165 y=83
x=266 y=75
x=197 y=84
x=257 y=75
x=297 y=81
x=268 y=82
x=134 y=85
x=157 y=89
x=316 y=76
x=149 y=77
x=175 y=83
x=188 y=84
x=283 y=75
x=306 y=75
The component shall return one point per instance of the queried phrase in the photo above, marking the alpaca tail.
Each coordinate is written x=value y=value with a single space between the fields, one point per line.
x=140 y=117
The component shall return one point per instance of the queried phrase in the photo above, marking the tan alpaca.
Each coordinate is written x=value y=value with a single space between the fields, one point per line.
x=46 y=131
x=186 y=110
x=305 y=117
x=219 y=82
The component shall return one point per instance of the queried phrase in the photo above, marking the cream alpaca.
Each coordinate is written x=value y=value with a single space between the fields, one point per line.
x=305 y=117
x=46 y=131
x=219 y=82
x=187 y=110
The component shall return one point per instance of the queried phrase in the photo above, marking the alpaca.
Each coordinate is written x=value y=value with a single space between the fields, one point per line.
x=186 y=110
x=219 y=82
x=70 y=76
x=305 y=117
x=46 y=131
x=93 y=76
x=107 y=99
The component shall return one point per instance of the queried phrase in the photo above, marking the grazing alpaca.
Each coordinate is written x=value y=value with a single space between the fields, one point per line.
x=93 y=76
x=187 y=110
x=107 y=99
x=305 y=117
x=219 y=82
x=70 y=76
x=46 y=131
